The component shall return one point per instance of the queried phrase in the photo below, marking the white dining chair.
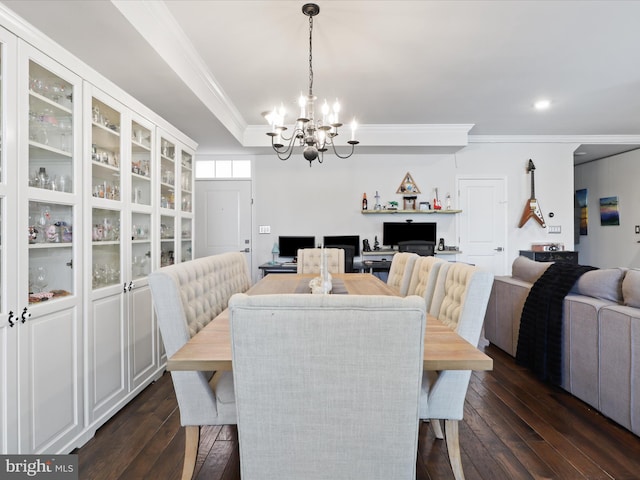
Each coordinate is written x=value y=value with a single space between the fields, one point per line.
x=310 y=260
x=424 y=278
x=460 y=302
x=400 y=271
x=327 y=386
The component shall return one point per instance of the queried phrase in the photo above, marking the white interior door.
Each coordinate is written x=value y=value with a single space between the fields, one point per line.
x=223 y=217
x=483 y=222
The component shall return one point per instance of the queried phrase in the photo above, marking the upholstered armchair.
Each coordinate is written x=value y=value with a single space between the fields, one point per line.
x=424 y=278
x=310 y=259
x=459 y=301
x=400 y=271
x=327 y=386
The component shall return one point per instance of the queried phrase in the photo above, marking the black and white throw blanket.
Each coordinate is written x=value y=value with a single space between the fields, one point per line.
x=540 y=337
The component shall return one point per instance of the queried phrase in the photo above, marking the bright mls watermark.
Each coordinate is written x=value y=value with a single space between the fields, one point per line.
x=50 y=467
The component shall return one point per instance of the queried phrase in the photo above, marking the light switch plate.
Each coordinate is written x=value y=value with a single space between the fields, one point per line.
x=265 y=229
x=555 y=229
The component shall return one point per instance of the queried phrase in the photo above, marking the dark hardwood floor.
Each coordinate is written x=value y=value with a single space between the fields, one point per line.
x=514 y=428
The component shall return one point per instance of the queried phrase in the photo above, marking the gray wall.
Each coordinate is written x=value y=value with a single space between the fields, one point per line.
x=611 y=246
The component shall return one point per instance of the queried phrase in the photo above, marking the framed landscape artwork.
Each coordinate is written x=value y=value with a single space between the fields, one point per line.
x=609 y=215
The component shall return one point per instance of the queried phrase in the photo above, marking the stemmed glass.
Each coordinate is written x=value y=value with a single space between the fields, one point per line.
x=41 y=279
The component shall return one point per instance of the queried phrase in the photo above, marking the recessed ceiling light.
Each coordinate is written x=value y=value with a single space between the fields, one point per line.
x=542 y=104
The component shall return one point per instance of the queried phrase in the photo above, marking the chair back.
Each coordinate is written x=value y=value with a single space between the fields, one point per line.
x=460 y=302
x=327 y=386
x=423 y=248
x=460 y=298
x=424 y=278
x=349 y=254
x=310 y=259
x=400 y=271
x=186 y=297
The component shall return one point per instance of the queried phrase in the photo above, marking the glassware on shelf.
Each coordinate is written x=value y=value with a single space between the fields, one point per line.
x=41 y=278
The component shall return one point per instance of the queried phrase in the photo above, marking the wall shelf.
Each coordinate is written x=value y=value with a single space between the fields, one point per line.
x=410 y=212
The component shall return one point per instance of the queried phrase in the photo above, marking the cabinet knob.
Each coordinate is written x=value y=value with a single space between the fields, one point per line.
x=131 y=285
x=24 y=315
x=11 y=323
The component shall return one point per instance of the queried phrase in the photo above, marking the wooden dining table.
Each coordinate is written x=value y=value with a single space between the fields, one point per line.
x=210 y=348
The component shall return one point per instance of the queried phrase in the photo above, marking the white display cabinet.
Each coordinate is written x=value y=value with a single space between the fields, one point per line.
x=50 y=288
x=121 y=328
x=88 y=178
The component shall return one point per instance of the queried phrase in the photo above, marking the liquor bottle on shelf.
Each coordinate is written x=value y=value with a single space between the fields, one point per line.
x=364 y=201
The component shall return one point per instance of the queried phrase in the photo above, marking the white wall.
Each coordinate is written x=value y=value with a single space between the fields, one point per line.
x=611 y=246
x=325 y=199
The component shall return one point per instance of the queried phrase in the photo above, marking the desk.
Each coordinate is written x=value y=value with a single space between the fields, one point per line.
x=268 y=268
x=210 y=349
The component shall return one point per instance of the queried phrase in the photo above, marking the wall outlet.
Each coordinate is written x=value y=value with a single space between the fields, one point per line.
x=265 y=229
x=555 y=229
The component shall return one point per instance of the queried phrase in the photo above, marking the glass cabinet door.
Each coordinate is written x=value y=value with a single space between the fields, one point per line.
x=141 y=164
x=167 y=174
x=186 y=179
x=186 y=247
x=51 y=173
x=105 y=247
x=105 y=151
x=140 y=245
x=50 y=130
x=167 y=240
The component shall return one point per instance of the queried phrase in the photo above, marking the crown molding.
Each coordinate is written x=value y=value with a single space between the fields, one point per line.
x=159 y=28
x=579 y=139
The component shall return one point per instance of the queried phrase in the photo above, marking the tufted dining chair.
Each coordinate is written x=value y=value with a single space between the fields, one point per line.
x=400 y=271
x=308 y=371
x=310 y=259
x=459 y=301
x=186 y=297
x=424 y=278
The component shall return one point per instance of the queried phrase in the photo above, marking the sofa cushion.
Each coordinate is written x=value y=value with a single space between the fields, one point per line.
x=528 y=270
x=604 y=283
x=631 y=288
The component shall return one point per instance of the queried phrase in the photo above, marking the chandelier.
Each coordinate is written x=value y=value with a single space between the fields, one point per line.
x=314 y=135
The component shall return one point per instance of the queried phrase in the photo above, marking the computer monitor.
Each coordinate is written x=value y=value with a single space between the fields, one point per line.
x=394 y=232
x=335 y=240
x=289 y=245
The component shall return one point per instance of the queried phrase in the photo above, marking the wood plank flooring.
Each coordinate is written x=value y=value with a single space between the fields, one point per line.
x=515 y=427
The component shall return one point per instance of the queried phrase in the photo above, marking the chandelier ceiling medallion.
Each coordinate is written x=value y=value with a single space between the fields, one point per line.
x=314 y=135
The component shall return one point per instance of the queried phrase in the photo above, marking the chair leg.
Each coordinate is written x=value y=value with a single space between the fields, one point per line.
x=453 y=448
x=191 y=441
x=437 y=428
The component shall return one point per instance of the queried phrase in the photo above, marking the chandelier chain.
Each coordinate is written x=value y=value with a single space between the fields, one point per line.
x=310 y=56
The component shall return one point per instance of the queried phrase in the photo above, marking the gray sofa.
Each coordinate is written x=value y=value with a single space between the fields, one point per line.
x=601 y=334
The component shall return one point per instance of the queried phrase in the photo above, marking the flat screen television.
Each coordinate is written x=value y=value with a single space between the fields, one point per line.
x=394 y=232
x=289 y=245
x=353 y=240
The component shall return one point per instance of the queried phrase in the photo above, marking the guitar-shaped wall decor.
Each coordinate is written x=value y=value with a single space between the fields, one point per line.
x=532 y=209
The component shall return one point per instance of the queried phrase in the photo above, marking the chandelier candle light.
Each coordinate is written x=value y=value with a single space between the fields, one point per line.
x=316 y=136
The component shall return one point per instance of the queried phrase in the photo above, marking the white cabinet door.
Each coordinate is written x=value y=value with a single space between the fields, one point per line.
x=50 y=373
x=49 y=281
x=143 y=332
x=107 y=338
x=8 y=246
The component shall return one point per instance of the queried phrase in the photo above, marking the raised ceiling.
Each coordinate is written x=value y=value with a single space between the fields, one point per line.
x=212 y=67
